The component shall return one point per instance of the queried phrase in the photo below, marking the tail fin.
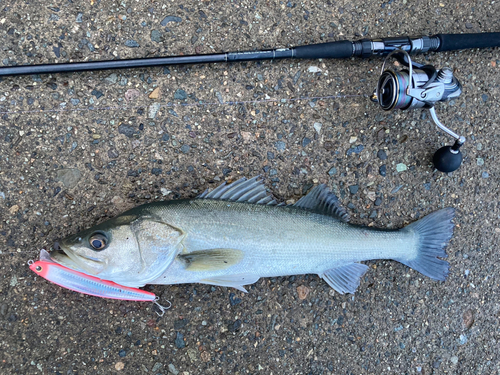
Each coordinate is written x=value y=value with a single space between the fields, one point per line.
x=434 y=232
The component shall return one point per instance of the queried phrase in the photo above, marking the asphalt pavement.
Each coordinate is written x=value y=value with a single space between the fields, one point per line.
x=80 y=148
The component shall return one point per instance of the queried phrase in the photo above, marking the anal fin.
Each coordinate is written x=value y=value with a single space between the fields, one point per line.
x=233 y=281
x=345 y=279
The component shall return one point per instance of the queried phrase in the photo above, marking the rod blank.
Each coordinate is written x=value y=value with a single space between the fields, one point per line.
x=332 y=50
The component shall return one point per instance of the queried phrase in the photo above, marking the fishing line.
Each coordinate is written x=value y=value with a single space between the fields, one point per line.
x=200 y=104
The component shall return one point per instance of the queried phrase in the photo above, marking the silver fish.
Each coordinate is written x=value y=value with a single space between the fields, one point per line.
x=237 y=233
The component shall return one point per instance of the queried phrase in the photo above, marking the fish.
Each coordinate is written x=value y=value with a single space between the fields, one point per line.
x=237 y=233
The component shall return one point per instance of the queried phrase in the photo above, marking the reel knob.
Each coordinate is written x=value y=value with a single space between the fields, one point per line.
x=448 y=158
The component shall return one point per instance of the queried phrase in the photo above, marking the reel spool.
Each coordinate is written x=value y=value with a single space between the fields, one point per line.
x=421 y=86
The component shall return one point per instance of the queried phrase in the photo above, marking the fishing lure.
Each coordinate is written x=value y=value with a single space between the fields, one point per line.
x=86 y=284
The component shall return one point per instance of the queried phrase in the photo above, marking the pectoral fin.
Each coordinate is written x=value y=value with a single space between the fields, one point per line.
x=211 y=260
x=345 y=279
x=233 y=281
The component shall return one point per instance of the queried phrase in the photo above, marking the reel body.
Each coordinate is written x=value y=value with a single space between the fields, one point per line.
x=421 y=86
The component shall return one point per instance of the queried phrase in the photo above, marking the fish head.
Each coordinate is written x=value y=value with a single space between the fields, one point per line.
x=130 y=250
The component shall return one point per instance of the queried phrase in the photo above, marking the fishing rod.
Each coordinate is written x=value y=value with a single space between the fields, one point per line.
x=415 y=86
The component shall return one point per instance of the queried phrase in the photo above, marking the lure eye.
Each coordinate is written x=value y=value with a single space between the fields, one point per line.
x=98 y=241
x=38 y=268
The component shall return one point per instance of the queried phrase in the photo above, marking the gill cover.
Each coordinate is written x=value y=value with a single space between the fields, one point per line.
x=159 y=244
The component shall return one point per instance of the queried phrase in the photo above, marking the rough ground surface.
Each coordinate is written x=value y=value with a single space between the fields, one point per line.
x=70 y=159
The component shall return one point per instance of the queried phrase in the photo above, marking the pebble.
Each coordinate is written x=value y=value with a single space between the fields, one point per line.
x=132 y=94
x=155 y=93
x=479 y=146
x=378 y=201
x=13 y=210
x=131 y=43
x=97 y=93
x=454 y=359
x=79 y=18
x=192 y=354
x=317 y=126
x=74 y=101
x=353 y=139
x=233 y=300
x=401 y=167
x=484 y=97
x=382 y=170
x=314 y=69
x=303 y=292
x=155 y=36
x=168 y=19
x=305 y=141
x=234 y=326
x=179 y=341
x=122 y=353
x=332 y=171
x=69 y=176
x=113 y=153
x=185 y=149
x=156 y=367
x=119 y=366
x=13 y=281
x=480 y=161
x=280 y=145
x=156 y=171
x=463 y=339
x=165 y=191
x=381 y=154
x=468 y=318
x=112 y=78
x=353 y=189
x=180 y=94
x=117 y=200
x=153 y=110
x=172 y=369
x=485 y=175
x=127 y=130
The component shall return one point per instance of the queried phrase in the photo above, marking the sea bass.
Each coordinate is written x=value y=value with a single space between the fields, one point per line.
x=237 y=233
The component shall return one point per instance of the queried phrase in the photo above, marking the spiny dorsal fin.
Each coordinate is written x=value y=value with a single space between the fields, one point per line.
x=320 y=199
x=242 y=190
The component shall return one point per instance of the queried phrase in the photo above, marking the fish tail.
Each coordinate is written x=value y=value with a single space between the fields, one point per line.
x=433 y=232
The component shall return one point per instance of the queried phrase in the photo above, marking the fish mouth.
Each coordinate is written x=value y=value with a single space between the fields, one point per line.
x=78 y=262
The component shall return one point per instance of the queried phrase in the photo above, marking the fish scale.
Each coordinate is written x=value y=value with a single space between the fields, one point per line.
x=281 y=238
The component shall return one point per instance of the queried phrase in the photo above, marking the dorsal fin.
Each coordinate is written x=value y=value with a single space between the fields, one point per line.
x=242 y=190
x=320 y=199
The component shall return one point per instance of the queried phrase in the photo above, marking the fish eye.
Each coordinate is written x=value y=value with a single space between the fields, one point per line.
x=98 y=241
x=38 y=268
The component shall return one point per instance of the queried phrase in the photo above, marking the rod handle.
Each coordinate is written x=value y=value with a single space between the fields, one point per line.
x=332 y=50
x=452 y=42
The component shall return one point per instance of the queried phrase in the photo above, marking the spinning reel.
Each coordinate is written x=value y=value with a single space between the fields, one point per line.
x=421 y=86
